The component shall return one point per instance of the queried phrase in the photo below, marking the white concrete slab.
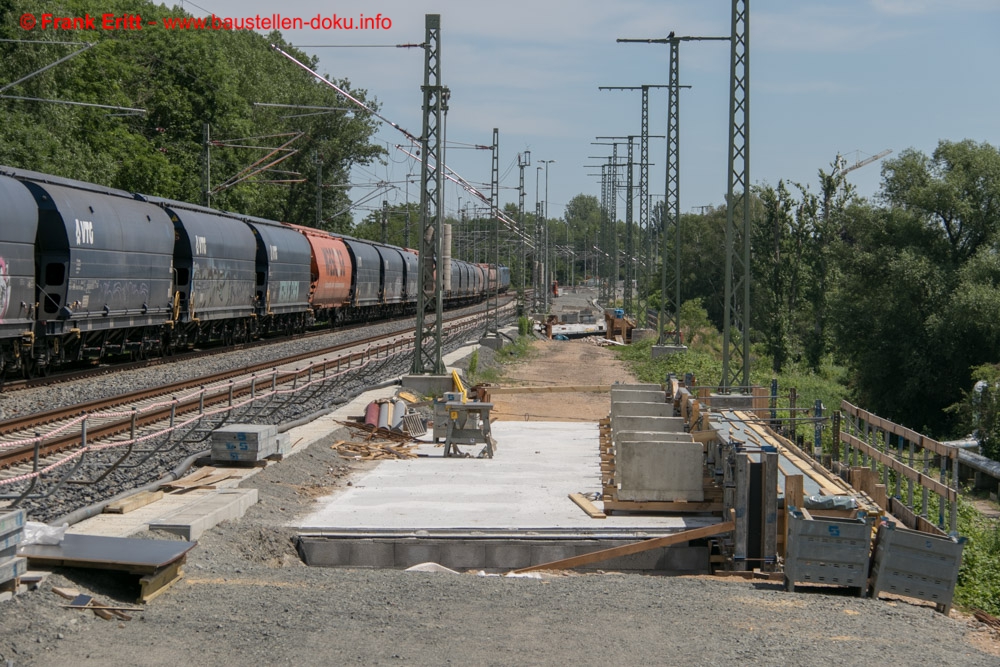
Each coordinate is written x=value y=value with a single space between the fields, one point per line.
x=525 y=486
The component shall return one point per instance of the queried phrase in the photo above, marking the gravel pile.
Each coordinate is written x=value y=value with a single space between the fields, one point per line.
x=247 y=599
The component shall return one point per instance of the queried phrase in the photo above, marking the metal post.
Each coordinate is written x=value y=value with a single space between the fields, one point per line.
x=671 y=219
x=792 y=396
x=818 y=431
x=774 y=401
x=207 y=172
x=385 y=221
x=523 y=160
x=736 y=325
x=629 y=250
x=493 y=320
x=536 y=274
x=318 y=161
x=427 y=353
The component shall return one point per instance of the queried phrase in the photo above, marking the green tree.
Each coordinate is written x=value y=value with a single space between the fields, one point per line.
x=182 y=80
x=957 y=189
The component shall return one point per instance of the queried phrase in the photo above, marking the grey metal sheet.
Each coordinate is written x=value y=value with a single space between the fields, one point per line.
x=393 y=273
x=366 y=281
x=218 y=252
x=123 y=553
x=116 y=254
x=284 y=261
x=412 y=276
x=18 y=227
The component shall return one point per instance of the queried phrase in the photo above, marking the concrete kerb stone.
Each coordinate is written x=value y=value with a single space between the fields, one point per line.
x=194 y=519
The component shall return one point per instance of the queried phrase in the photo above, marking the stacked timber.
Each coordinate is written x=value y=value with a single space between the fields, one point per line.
x=11 y=535
x=244 y=443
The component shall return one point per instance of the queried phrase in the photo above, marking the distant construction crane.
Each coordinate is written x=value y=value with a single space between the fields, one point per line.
x=841 y=168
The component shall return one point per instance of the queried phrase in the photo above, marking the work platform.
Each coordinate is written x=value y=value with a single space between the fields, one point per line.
x=507 y=512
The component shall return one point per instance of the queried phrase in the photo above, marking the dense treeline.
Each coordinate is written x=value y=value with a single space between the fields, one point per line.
x=902 y=290
x=183 y=79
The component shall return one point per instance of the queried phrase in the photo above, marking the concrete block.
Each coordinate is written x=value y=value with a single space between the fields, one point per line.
x=12 y=568
x=546 y=552
x=11 y=521
x=657 y=471
x=641 y=395
x=322 y=552
x=493 y=342
x=644 y=386
x=463 y=554
x=372 y=553
x=651 y=436
x=507 y=556
x=429 y=385
x=194 y=519
x=244 y=442
x=11 y=539
x=283 y=442
x=655 y=424
x=643 y=334
x=667 y=350
x=636 y=409
x=415 y=551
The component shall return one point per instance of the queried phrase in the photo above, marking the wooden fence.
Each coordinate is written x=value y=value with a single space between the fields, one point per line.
x=870 y=447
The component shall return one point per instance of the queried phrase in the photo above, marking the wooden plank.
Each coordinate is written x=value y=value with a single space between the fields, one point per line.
x=204 y=482
x=829 y=485
x=711 y=435
x=661 y=506
x=910 y=473
x=634 y=548
x=68 y=593
x=554 y=389
x=152 y=585
x=587 y=506
x=910 y=435
x=126 y=505
x=794 y=493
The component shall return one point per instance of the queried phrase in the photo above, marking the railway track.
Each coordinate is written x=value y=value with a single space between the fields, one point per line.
x=71 y=375
x=56 y=447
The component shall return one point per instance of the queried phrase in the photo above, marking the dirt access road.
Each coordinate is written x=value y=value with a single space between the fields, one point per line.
x=247 y=599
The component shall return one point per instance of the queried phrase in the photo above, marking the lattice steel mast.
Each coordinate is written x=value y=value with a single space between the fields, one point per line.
x=427 y=353
x=493 y=320
x=736 y=331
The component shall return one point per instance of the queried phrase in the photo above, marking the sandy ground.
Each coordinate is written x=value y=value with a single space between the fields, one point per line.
x=561 y=363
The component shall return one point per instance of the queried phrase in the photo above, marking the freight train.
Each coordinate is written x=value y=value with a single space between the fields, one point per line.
x=89 y=272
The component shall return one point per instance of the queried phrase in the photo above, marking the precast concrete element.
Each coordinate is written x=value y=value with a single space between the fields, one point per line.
x=635 y=409
x=653 y=436
x=656 y=424
x=493 y=550
x=647 y=386
x=659 y=471
x=638 y=395
x=195 y=518
x=731 y=401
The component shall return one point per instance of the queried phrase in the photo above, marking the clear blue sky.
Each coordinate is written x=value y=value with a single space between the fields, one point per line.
x=827 y=77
